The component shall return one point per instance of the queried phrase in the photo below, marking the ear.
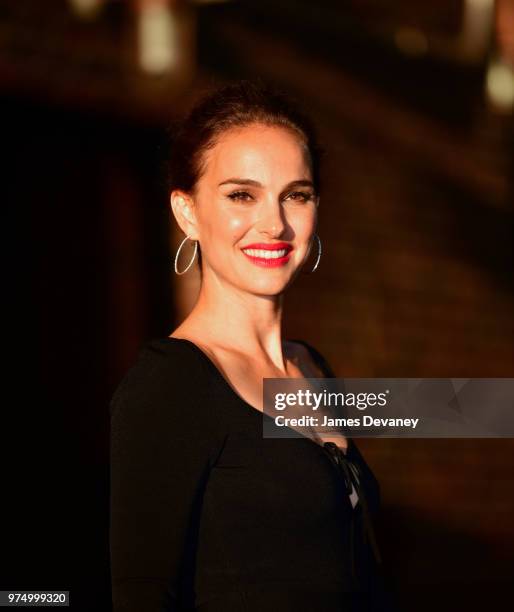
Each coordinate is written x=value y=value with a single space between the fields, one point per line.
x=182 y=206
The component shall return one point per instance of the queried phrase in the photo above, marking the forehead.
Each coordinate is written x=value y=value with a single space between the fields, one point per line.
x=264 y=153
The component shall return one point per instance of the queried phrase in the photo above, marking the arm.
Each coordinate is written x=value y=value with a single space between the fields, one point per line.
x=163 y=439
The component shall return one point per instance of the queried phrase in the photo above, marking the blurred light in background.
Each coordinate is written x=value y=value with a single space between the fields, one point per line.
x=500 y=86
x=477 y=25
x=86 y=9
x=157 y=36
x=499 y=82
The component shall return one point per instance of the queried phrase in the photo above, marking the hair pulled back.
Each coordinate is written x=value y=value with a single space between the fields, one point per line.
x=234 y=105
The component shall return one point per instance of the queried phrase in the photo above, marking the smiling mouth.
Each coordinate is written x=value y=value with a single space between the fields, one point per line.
x=269 y=258
x=266 y=253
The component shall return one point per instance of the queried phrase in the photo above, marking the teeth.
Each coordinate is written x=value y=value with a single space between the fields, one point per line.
x=265 y=254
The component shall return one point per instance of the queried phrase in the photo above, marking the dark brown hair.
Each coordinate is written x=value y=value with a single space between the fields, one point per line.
x=234 y=105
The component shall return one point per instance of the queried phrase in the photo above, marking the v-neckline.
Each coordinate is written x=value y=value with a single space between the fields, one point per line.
x=221 y=378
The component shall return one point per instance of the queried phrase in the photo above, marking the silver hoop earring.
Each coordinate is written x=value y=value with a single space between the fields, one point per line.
x=192 y=259
x=319 y=254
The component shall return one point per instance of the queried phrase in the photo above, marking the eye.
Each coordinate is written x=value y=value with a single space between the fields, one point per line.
x=301 y=196
x=242 y=196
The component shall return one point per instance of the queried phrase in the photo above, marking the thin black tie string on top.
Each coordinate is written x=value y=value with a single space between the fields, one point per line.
x=350 y=473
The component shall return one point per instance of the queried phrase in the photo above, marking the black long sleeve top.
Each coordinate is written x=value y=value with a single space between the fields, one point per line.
x=208 y=515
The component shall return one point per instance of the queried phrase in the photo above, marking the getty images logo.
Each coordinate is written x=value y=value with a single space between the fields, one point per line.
x=307 y=398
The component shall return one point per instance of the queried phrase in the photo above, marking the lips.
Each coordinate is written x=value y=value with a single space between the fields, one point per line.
x=268 y=255
x=269 y=246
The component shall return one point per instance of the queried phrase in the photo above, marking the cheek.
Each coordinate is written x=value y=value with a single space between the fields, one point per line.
x=235 y=225
x=223 y=226
x=303 y=223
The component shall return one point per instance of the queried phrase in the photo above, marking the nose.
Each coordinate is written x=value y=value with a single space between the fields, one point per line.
x=271 y=219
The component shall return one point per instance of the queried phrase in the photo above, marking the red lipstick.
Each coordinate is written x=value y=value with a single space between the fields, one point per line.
x=270 y=261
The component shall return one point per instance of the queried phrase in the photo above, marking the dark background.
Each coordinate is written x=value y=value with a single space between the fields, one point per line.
x=415 y=280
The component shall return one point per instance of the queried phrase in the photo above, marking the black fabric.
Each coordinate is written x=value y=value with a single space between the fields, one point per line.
x=208 y=515
x=318 y=359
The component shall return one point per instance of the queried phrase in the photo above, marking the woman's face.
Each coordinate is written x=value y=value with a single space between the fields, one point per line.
x=255 y=195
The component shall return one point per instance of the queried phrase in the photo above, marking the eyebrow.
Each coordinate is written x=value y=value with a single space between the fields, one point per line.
x=245 y=181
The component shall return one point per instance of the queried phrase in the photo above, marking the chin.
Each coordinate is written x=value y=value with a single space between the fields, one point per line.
x=269 y=287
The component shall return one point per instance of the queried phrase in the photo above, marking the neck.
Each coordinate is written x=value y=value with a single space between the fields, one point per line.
x=233 y=319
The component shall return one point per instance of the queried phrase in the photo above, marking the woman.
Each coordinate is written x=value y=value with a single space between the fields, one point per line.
x=206 y=513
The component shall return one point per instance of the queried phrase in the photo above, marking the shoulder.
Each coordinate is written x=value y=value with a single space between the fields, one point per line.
x=163 y=371
x=161 y=417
